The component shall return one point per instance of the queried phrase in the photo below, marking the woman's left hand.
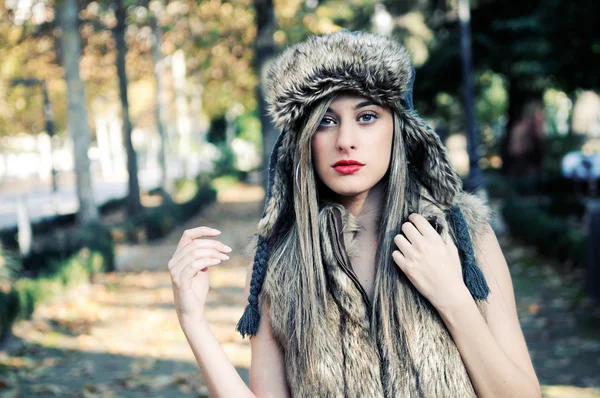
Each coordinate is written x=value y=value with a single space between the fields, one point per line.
x=432 y=265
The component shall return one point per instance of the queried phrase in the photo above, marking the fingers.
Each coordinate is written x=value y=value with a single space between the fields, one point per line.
x=195 y=233
x=188 y=271
x=422 y=225
x=403 y=244
x=194 y=261
x=411 y=233
x=198 y=244
x=399 y=259
x=193 y=255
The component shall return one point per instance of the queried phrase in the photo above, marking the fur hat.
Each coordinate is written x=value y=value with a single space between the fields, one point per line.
x=369 y=65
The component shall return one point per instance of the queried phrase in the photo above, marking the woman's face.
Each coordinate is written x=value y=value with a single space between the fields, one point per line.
x=352 y=146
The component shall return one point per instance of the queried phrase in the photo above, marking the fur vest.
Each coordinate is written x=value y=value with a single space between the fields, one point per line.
x=347 y=350
x=348 y=359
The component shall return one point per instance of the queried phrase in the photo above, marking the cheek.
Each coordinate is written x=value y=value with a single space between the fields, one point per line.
x=317 y=148
x=382 y=147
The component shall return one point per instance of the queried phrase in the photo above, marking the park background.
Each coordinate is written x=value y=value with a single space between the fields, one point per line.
x=124 y=122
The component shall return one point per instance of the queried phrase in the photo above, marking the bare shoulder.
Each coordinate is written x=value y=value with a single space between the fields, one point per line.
x=495 y=268
x=489 y=251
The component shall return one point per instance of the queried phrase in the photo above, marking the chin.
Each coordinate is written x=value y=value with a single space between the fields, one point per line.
x=344 y=188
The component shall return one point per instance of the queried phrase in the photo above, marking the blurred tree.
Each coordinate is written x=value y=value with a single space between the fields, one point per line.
x=30 y=50
x=77 y=118
x=533 y=45
x=519 y=47
x=216 y=131
x=572 y=30
x=130 y=54
x=265 y=51
x=218 y=39
x=134 y=205
x=161 y=105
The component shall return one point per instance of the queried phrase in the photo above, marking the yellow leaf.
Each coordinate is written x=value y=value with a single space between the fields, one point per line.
x=534 y=308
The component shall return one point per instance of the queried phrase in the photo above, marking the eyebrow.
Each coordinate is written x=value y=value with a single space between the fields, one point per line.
x=364 y=103
x=358 y=106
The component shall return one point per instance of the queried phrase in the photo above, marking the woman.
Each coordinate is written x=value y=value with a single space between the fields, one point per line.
x=374 y=274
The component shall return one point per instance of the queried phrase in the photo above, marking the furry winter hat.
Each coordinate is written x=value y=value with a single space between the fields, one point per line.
x=377 y=68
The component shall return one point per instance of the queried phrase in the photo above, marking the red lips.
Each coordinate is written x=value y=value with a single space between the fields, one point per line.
x=347 y=166
x=348 y=162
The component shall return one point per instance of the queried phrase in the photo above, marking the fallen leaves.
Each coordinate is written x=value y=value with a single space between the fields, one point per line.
x=121 y=337
x=97 y=391
x=184 y=382
x=141 y=364
x=53 y=389
x=534 y=308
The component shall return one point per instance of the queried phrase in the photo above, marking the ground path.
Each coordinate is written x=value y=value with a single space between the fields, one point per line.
x=119 y=336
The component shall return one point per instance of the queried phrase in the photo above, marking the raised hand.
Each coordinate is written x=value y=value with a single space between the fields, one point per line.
x=188 y=268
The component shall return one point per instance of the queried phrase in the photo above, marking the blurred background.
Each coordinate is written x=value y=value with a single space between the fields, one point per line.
x=124 y=122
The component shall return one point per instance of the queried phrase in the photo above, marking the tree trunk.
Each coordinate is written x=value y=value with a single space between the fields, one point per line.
x=264 y=53
x=77 y=119
x=134 y=205
x=475 y=180
x=178 y=67
x=161 y=106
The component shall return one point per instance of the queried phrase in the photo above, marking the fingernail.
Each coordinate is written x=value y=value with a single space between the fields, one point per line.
x=224 y=256
x=215 y=261
x=216 y=231
x=227 y=249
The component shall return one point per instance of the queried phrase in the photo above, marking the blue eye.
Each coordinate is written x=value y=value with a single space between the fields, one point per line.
x=368 y=117
x=326 y=121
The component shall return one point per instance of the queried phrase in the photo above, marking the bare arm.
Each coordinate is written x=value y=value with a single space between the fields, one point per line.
x=196 y=252
x=267 y=375
x=495 y=353
x=221 y=377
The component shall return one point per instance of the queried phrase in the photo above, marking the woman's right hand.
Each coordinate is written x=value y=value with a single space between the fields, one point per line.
x=188 y=268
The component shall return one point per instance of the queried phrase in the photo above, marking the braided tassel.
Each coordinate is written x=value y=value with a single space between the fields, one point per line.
x=248 y=324
x=472 y=274
x=250 y=320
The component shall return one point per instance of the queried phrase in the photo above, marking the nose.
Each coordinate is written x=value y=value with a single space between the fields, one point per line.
x=346 y=138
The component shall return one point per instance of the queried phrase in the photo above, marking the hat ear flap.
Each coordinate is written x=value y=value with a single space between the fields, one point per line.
x=280 y=163
x=428 y=158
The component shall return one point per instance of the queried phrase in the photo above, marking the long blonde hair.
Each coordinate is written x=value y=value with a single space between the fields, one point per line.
x=297 y=250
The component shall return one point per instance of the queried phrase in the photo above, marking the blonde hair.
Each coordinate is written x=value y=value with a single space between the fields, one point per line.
x=298 y=249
